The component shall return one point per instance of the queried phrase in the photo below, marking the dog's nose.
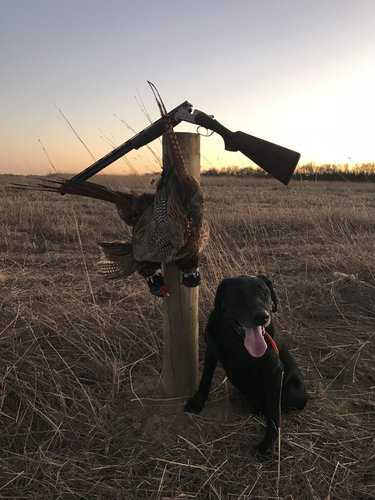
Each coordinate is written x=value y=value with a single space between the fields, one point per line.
x=261 y=318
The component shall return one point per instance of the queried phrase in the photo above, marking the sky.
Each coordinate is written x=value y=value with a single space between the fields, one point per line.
x=300 y=73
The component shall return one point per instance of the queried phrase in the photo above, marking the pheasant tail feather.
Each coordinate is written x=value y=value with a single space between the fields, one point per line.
x=179 y=162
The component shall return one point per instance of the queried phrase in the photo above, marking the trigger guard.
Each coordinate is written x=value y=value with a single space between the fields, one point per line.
x=204 y=135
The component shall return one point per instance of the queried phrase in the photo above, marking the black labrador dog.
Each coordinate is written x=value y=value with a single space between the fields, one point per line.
x=241 y=335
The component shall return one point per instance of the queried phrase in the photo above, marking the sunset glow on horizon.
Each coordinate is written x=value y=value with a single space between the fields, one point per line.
x=299 y=74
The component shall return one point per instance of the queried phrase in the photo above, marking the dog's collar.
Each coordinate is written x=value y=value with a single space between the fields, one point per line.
x=273 y=343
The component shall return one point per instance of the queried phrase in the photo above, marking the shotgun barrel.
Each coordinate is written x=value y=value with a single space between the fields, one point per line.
x=147 y=135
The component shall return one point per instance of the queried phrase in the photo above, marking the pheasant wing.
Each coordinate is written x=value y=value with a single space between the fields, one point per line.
x=116 y=259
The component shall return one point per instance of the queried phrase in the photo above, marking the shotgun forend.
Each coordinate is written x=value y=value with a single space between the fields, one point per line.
x=278 y=161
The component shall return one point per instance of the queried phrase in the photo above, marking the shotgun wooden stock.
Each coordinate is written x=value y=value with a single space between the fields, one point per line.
x=278 y=161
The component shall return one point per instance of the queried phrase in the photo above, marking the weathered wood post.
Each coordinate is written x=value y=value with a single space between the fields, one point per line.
x=180 y=314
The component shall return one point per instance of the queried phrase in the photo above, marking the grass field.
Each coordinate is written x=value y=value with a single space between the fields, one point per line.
x=80 y=358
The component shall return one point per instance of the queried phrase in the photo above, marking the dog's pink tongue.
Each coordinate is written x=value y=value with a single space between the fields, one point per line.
x=254 y=341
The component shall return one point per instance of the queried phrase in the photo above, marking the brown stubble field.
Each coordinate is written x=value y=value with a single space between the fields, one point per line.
x=80 y=358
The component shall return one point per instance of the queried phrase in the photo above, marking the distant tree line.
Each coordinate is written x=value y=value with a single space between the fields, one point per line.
x=309 y=172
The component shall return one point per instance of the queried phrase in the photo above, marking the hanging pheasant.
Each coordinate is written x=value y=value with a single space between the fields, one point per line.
x=167 y=226
x=171 y=230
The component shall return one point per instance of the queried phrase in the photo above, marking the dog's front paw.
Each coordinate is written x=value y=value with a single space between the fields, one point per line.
x=263 y=449
x=195 y=404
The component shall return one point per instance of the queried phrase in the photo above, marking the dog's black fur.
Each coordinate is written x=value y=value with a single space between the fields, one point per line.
x=248 y=301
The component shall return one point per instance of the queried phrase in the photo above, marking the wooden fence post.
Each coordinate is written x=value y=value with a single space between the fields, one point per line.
x=180 y=309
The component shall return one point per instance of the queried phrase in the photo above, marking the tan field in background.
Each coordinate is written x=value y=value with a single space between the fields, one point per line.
x=80 y=357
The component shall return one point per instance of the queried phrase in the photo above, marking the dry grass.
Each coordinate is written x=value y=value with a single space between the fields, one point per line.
x=80 y=358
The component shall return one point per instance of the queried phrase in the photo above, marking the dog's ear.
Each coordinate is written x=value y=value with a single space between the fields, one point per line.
x=220 y=294
x=268 y=282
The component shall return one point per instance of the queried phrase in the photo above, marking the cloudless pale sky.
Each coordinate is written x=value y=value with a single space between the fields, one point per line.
x=300 y=73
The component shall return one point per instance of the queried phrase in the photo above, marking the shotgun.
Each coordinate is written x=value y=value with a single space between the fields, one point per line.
x=278 y=161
